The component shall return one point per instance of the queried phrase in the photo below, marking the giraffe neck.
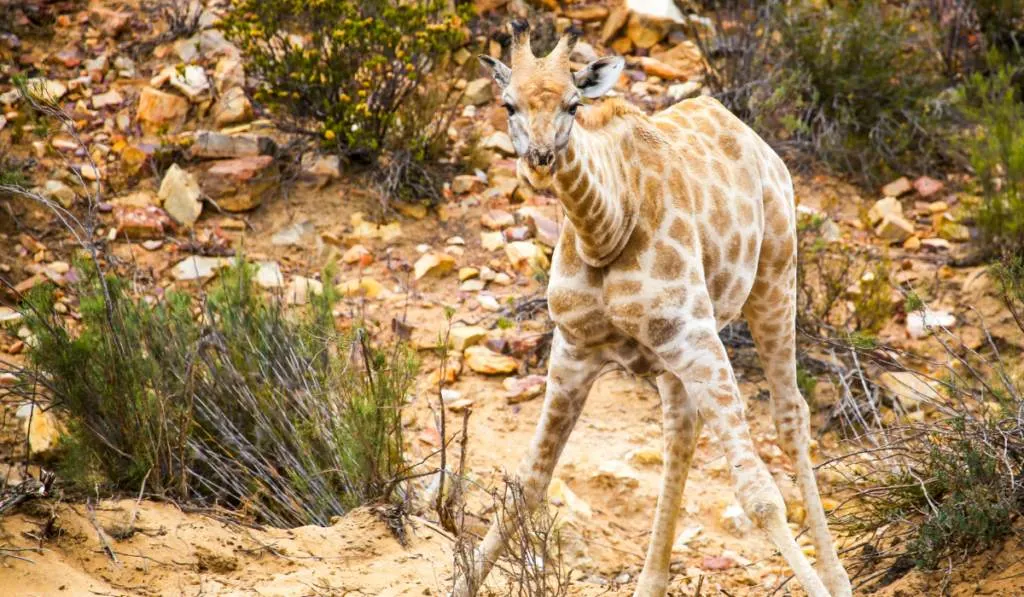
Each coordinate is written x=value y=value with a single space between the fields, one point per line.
x=592 y=185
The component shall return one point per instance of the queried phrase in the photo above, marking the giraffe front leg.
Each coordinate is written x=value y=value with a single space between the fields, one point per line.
x=681 y=428
x=691 y=349
x=571 y=373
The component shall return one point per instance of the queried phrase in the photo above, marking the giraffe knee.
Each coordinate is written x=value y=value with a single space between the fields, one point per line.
x=764 y=506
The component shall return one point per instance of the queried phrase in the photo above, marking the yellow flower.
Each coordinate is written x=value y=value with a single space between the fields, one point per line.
x=329 y=135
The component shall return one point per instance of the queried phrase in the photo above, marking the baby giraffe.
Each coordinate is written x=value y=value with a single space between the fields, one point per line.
x=677 y=223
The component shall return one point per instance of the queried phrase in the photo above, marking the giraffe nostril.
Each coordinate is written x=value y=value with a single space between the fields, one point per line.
x=544 y=158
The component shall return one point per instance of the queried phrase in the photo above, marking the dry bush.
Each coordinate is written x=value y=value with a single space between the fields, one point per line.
x=942 y=476
x=532 y=566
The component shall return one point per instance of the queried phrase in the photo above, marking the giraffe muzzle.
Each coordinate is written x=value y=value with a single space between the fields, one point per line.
x=540 y=158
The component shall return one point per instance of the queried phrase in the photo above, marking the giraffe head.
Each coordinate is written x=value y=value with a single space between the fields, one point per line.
x=542 y=95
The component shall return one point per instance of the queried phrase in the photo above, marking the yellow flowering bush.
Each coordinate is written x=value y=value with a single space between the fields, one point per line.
x=351 y=73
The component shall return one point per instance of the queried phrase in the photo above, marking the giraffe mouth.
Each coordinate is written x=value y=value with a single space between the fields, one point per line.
x=539 y=177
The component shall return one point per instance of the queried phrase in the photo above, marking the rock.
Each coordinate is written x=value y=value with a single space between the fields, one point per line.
x=209 y=144
x=180 y=196
x=936 y=244
x=110 y=98
x=717 y=563
x=301 y=288
x=516 y=233
x=586 y=14
x=685 y=536
x=416 y=211
x=680 y=91
x=367 y=287
x=294 y=234
x=912 y=244
x=909 y=387
x=136 y=199
x=464 y=183
x=465 y=273
x=461 y=337
x=478 y=92
x=268 y=274
x=241 y=184
x=46 y=90
x=919 y=324
x=894 y=229
x=197 y=267
x=363 y=230
x=657 y=68
x=484 y=360
x=497 y=219
x=583 y=53
x=884 y=207
x=646 y=457
x=616 y=475
x=897 y=188
x=109 y=20
x=228 y=74
x=492 y=241
x=488 y=303
x=322 y=169
x=59 y=192
x=500 y=141
x=357 y=254
x=159 y=110
x=937 y=207
x=433 y=264
x=954 y=231
x=735 y=521
x=526 y=254
x=560 y=495
x=926 y=187
x=645 y=32
x=41 y=428
x=9 y=316
x=233 y=107
x=521 y=389
x=209 y=43
x=684 y=57
x=617 y=17
x=141 y=223
x=190 y=81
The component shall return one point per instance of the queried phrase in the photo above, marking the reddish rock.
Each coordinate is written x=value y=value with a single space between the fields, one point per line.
x=926 y=186
x=241 y=184
x=159 y=110
x=142 y=223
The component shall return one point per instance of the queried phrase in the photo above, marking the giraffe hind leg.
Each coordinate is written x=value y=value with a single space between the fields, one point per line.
x=772 y=324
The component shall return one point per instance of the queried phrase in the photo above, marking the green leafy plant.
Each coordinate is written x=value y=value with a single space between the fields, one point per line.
x=230 y=398
x=996 y=151
x=366 y=78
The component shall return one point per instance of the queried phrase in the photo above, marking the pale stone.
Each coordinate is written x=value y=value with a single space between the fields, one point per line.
x=521 y=389
x=884 y=207
x=484 y=360
x=492 y=241
x=433 y=264
x=367 y=287
x=526 y=254
x=478 y=92
x=559 y=494
x=894 y=229
x=500 y=141
x=180 y=196
x=232 y=107
x=900 y=186
x=161 y=110
x=461 y=337
x=191 y=81
x=110 y=98
x=197 y=267
x=910 y=387
x=59 y=192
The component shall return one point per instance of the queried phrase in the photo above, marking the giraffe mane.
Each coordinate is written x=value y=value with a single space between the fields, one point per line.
x=600 y=115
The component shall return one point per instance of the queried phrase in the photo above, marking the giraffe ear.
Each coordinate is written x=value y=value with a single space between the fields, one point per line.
x=501 y=73
x=595 y=79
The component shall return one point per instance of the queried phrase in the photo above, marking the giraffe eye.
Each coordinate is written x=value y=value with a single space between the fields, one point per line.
x=509 y=107
x=572 y=109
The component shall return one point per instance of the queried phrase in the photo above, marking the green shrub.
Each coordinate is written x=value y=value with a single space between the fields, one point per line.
x=996 y=151
x=863 y=89
x=356 y=74
x=229 y=399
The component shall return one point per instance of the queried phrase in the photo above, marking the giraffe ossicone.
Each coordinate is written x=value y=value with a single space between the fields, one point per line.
x=677 y=224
